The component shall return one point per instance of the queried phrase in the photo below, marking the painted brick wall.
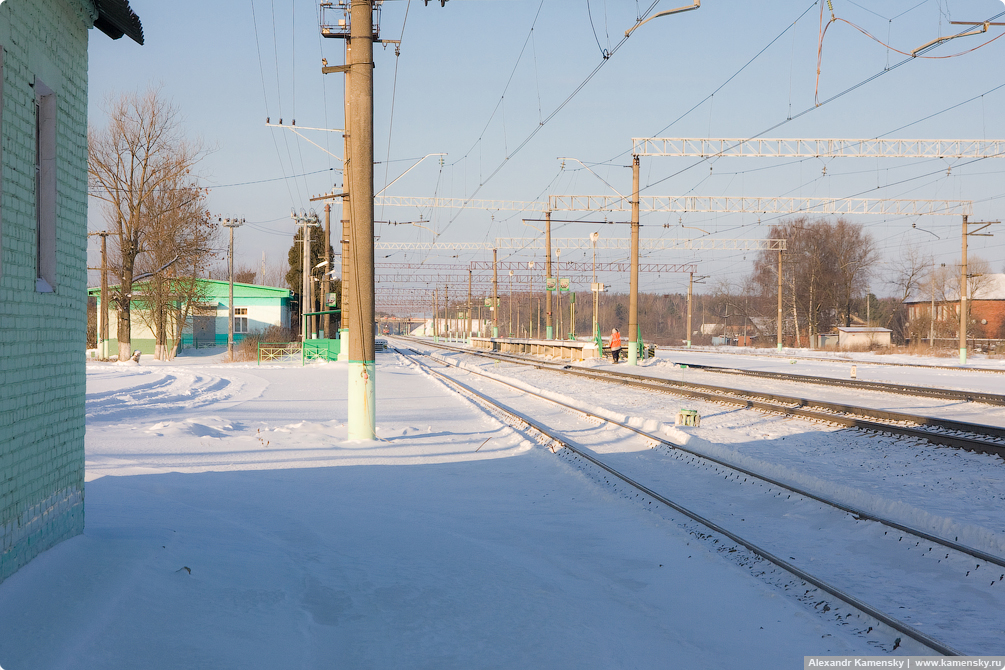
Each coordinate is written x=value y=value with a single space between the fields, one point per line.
x=42 y=334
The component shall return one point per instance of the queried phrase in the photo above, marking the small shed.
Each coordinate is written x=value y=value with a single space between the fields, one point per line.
x=862 y=336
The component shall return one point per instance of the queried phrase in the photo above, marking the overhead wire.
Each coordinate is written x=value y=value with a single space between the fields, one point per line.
x=279 y=90
x=293 y=85
x=265 y=95
x=394 y=91
x=806 y=111
x=553 y=113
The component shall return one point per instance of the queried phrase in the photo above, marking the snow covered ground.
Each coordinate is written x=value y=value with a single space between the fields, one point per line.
x=231 y=525
x=948 y=493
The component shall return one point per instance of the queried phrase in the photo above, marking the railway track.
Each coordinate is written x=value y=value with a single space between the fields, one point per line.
x=650 y=494
x=884 y=387
x=955 y=368
x=943 y=432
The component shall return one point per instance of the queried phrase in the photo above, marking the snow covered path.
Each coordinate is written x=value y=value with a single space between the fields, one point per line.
x=230 y=525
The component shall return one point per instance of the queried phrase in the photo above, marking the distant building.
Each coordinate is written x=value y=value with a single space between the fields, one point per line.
x=986 y=308
x=255 y=309
x=43 y=265
x=863 y=336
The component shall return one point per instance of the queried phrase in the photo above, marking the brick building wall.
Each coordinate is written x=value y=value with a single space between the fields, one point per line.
x=947 y=317
x=42 y=335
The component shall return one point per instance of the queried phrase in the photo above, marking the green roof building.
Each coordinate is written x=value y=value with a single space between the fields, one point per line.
x=255 y=309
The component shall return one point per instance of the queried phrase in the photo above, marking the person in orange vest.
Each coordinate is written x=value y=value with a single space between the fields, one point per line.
x=616 y=344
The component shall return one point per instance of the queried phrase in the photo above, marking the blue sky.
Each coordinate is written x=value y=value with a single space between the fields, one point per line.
x=448 y=87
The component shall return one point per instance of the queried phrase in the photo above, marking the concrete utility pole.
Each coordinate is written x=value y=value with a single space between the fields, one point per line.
x=102 y=314
x=305 y=220
x=595 y=288
x=436 y=315
x=346 y=217
x=469 y=308
x=362 y=359
x=690 y=290
x=230 y=224
x=510 y=328
x=326 y=320
x=964 y=280
x=495 y=293
x=558 y=291
x=548 y=331
x=779 y=300
x=633 y=298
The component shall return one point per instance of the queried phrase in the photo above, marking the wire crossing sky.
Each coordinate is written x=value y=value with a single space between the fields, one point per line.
x=506 y=88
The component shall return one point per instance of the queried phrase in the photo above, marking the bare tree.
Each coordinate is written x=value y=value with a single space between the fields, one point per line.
x=178 y=247
x=826 y=267
x=909 y=275
x=854 y=254
x=139 y=153
x=274 y=274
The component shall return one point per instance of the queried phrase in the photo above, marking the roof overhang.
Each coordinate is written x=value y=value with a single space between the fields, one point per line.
x=116 y=18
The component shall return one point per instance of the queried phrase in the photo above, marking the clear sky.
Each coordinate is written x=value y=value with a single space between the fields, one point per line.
x=475 y=78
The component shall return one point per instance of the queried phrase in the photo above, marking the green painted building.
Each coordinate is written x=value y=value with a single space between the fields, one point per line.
x=43 y=236
x=255 y=309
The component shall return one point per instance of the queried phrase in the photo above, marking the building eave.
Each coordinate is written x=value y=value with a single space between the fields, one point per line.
x=116 y=18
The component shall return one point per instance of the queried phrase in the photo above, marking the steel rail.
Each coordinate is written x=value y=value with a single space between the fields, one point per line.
x=891 y=387
x=849 y=416
x=860 y=513
x=954 y=368
x=799 y=573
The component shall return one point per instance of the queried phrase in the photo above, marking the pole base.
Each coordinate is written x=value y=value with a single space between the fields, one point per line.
x=963 y=356
x=633 y=353
x=549 y=334
x=362 y=400
x=343 y=346
x=495 y=332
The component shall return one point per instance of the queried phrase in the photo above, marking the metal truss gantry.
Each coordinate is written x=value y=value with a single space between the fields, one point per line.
x=759 y=205
x=423 y=202
x=679 y=204
x=684 y=147
x=578 y=266
x=584 y=243
x=624 y=244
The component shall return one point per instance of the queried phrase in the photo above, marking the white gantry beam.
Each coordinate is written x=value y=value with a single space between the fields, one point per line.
x=425 y=202
x=432 y=246
x=624 y=244
x=679 y=205
x=683 y=147
x=757 y=205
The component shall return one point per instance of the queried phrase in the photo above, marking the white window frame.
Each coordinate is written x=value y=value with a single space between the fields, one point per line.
x=241 y=320
x=45 y=188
